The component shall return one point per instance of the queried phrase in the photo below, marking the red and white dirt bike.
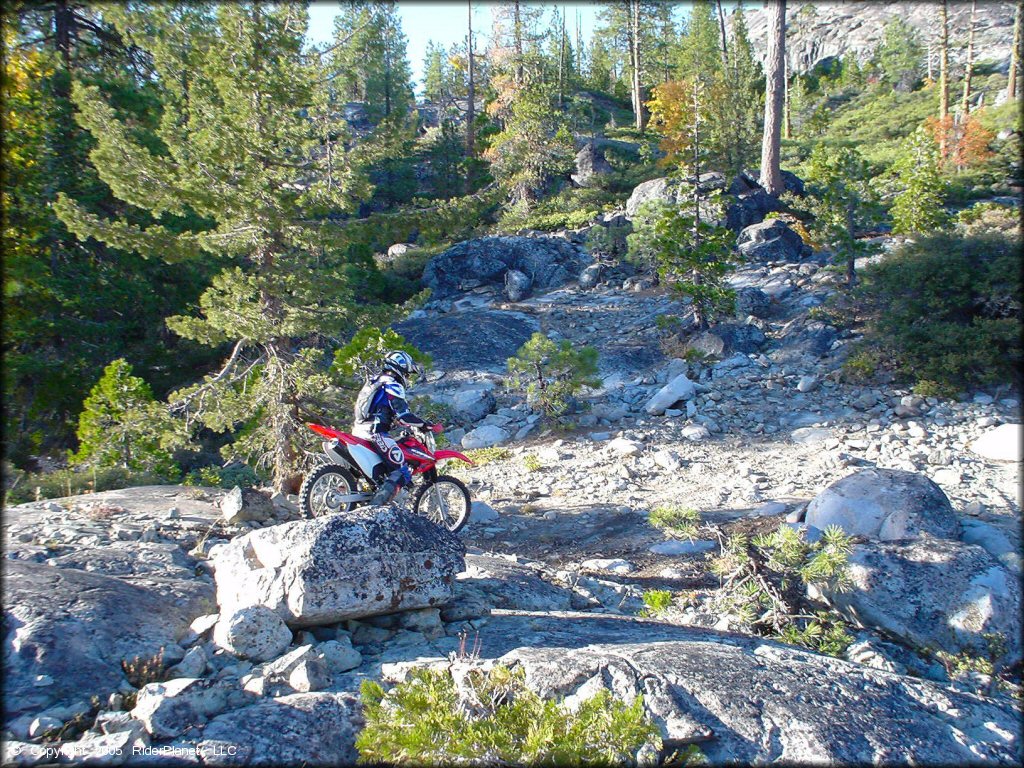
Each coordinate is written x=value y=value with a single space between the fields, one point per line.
x=355 y=470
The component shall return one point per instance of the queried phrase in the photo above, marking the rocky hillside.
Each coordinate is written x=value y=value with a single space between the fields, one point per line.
x=188 y=625
x=817 y=31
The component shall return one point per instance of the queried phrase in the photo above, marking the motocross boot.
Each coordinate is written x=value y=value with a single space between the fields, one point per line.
x=385 y=493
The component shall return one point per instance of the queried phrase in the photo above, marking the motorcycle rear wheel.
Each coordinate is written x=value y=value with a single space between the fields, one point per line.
x=320 y=484
x=445 y=501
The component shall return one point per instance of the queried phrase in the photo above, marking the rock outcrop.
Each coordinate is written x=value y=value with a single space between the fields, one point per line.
x=548 y=262
x=67 y=631
x=322 y=571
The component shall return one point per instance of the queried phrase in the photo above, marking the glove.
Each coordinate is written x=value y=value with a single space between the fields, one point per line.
x=437 y=428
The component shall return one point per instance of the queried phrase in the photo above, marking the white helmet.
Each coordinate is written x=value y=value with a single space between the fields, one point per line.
x=401 y=365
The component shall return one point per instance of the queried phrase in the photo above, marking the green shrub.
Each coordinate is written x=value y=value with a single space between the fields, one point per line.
x=571 y=208
x=367 y=347
x=495 y=720
x=531 y=463
x=947 y=309
x=483 y=456
x=656 y=602
x=234 y=474
x=676 y=521
x=72 y=482
x=552 y=374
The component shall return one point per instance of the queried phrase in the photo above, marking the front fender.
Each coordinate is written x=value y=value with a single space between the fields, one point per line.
x=440 y=455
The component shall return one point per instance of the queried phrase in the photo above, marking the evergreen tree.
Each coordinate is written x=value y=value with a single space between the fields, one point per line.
x=435 y=74
x=250 y=147
x=842 y=201
x=917 y=209
x=122 y=425
x=370 y=60
x=900 y=55
x=700 y=53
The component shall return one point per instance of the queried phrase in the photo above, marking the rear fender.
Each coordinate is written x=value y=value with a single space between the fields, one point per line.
x=440 y=455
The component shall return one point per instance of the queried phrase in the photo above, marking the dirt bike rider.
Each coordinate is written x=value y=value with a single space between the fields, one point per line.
x=380 y=405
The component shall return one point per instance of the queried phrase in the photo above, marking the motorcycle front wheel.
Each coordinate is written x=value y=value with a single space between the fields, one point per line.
x=445 y=501
x=322 y=486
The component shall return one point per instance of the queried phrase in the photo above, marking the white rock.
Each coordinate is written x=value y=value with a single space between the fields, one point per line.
x=679 y=547
x=667 y=459
x=193 y=665
x=600 y=437
x=807 y=384
x=810 y=435
x=482 y=512
x=679 y=388
x=769 y=509
x=254 y=632
x=485 y=437
x=695 y=432
x=622 y=447
x=616 y=565
x=1000 y=444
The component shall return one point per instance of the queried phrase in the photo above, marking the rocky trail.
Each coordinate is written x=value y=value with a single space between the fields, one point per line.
x=265 y=624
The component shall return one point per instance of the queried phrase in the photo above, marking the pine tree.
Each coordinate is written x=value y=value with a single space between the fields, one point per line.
x=435 y=76
x=917 y=209
x=252 y=149
x=900 y=55
x=122 y=425
x=842 y=201
x=700 y=53
x=370 y=60
x=775 y=85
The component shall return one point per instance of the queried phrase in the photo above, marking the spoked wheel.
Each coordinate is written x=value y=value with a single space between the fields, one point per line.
x=322 y=488
x=445 y=501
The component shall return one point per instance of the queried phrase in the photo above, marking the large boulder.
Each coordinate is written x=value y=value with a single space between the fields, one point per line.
x=547 y=261
x=885 y=504
x=169 y=709
x=477 y=339
x=310 y=572
x=753 y=301
x=312 y=729
x=254 y=632
x=473 y=403
x=751 y=701
x=485 y=437
x=590 y=163
x=727 y=339
x=934 y=593
x=517 y=285
x=66 y=631
x=771 y=240
x=674 y=192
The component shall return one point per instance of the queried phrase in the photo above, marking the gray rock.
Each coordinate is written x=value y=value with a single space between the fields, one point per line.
x=103 y=749
x=77 y=628
x=476 y=339
x=727 y=339
x=473 y=404
x=517 y=285
x=192 y=665
x=339 y=655
x=590 y=276
x=885 y=504
x=590 y=163
x=484 y=437
x=678 y=547
x=807 y=384
x=312 y=729
x=253 y=632
x=498 y=583
x=934 y=593
x=371 y=561
x=241 y=505
x=775 y=703
x=622 y=447
x=752 y=301
x=771 y=240
x=548 y=261
x=482 y=512
x=169 y=709
x=810 y=435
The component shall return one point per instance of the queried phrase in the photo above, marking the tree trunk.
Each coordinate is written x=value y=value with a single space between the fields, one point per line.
x=721 y=27
x=471 y=96
x=775 y=86
x=634 y=57
x=1015 y=57
x=965 y=106
x=517 y=34
x=787 y=122
x=943 y=79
